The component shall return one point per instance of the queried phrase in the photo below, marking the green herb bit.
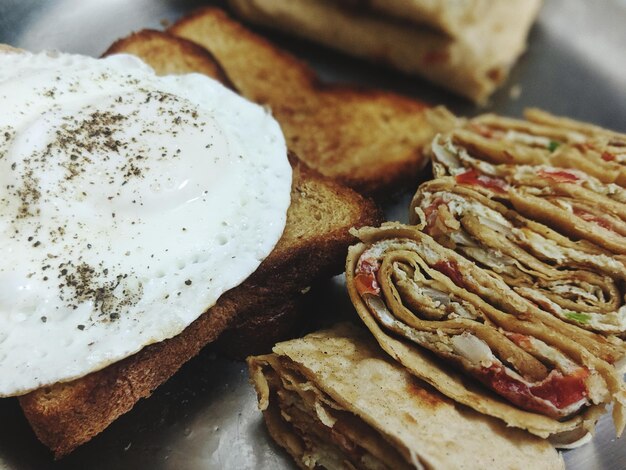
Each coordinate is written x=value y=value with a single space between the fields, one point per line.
x=553 y=145
x=579 y=317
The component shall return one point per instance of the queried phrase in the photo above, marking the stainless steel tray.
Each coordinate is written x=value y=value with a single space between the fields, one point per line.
x=206 y=416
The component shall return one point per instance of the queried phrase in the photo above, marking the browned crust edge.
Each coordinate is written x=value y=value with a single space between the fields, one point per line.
x=185 y=47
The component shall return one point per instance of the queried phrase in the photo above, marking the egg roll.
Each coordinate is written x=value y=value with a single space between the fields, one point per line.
x=513 y=360
x=568 y=200
x=334 y=400
x=576 y=281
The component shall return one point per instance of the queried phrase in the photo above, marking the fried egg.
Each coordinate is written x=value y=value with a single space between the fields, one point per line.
x=128 y=204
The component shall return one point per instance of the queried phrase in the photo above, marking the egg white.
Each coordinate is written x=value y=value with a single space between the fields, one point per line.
x=128 y=204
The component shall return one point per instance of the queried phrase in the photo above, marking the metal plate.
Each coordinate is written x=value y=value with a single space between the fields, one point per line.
x=206 y=416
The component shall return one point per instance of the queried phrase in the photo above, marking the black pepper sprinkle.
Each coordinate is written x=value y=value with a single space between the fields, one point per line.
x=110 y=297
x=188 y=282
x=81 y=327
x=72 y=150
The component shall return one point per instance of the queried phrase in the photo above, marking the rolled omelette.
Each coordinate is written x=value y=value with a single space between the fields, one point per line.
x=335 y=400
x=576 y=281
x=568 y=200
x=465 y=332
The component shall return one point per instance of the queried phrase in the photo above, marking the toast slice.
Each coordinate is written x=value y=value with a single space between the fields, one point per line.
x=367 y=139
x=169 y=55
x=256 y=332
x=313 y=245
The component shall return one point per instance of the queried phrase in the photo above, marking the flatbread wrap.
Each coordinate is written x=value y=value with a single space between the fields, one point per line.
x=448 y=16
x=472 y=61
x=557 y=141
x=568 y=200
x=576 y=281
x=468 y=334
x=334 y=399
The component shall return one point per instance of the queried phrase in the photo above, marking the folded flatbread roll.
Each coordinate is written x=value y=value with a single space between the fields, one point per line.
x=576 y=281
x=334 y=400
x=556 y=141
x=515 y=362
x=569 y=200
x=472 y=60
x=449 y=16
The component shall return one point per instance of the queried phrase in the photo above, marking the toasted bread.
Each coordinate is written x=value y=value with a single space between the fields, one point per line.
x=255 y=331
x=182 y=56
x=313 y=244
x=367 y=139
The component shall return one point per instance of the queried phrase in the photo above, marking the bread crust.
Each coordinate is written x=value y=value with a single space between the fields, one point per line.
x=182 y=57
x=259 y=329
